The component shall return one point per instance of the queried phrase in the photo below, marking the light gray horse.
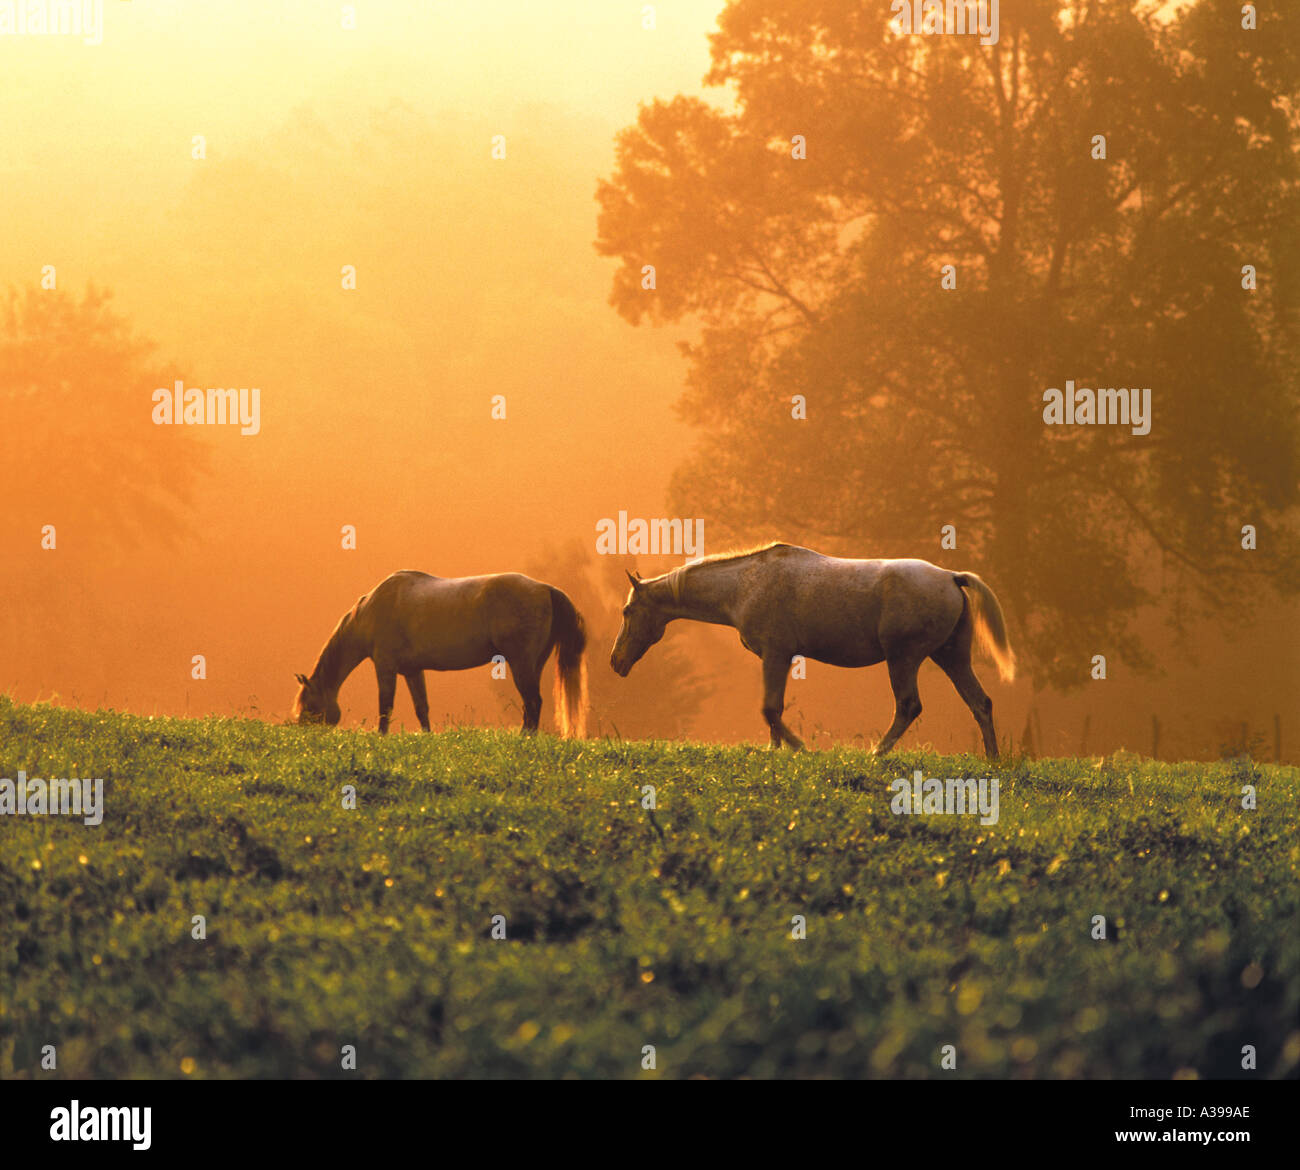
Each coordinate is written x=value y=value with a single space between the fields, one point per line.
x=411 y=622
x=786 y=600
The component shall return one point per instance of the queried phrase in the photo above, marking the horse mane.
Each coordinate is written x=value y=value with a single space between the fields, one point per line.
x=327 y=662
x=735 y=554
x=673 y=578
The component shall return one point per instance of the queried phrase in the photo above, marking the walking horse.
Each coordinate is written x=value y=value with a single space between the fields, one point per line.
x=788 y=601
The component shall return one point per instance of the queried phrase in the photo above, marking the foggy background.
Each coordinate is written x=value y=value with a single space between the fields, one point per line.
x=475 y=277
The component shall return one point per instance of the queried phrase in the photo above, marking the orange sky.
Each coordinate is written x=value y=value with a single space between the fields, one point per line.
x=476 y=277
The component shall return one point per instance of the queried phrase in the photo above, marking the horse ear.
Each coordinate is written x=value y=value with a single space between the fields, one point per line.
x=636 y=581
x=302 y=678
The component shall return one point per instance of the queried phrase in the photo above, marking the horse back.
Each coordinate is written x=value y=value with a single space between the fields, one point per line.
x=853 y=612
x=418 y=621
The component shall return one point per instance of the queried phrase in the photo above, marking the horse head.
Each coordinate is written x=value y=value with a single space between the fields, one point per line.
x=313 y=705
x=643 y=625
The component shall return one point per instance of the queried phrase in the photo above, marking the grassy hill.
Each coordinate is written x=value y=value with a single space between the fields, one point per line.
x=371 y=926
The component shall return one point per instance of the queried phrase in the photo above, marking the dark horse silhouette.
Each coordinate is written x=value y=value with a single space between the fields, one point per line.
x=411 y=622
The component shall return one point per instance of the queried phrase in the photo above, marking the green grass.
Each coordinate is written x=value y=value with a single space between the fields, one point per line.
x=371 y=927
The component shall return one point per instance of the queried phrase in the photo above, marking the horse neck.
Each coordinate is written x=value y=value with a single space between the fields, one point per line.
x=342 y=654
x=702 y=593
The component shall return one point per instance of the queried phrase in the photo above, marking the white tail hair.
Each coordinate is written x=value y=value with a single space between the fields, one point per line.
x=990 y=625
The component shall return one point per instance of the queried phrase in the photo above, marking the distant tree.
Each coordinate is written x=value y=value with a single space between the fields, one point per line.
x=662 y=695
x=821 y=277
x=81 y=450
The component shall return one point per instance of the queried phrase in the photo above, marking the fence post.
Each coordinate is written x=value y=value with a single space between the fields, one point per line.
x=1027 y=736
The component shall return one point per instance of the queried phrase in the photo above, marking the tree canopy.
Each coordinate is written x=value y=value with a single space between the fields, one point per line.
x=1098 y=180
x=76 y=388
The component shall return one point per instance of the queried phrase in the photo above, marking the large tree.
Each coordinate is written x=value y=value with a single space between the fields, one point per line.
x=86 y=482
x=821 y=276
x=81 y=449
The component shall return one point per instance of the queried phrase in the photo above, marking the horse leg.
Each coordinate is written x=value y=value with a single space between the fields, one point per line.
x=387 y=677
x=953 y=658
x=420 y=697
x=528 y=683
x=776 y=668
x=907 y=700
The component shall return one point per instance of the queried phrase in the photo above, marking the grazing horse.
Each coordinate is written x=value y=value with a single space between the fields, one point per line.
x=411 y=622
x=785 y=600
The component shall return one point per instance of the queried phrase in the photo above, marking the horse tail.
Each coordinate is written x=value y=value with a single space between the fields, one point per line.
x=569 y=636
x=990 y=626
